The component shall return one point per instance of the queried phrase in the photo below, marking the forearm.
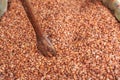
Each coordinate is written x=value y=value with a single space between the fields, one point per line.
x=29 y=11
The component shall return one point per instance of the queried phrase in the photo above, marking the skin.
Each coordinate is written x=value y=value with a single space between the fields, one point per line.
x=43 y=43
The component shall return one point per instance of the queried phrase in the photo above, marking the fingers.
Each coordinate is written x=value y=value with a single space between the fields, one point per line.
x=46 y=47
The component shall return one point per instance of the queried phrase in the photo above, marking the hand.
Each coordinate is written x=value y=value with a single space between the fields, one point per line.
x=45 y=46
